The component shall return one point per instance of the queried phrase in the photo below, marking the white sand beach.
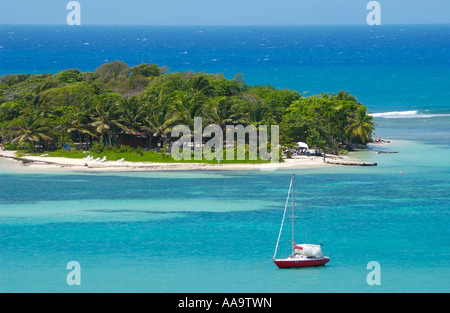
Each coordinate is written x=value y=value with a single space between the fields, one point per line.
x=53 y=163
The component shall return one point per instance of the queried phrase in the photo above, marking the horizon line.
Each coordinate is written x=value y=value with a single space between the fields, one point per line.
x=229 y=25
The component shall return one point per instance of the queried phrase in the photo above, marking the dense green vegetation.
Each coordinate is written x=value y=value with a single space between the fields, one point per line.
x=45 y=112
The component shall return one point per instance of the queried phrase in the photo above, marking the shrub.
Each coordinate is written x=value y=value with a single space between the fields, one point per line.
x=98 y=147
x=11 y=146
x=139 y=151
x=110 y=149
x=126 y=149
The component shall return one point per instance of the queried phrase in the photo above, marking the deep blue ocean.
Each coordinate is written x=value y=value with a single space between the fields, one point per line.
x=216 y=231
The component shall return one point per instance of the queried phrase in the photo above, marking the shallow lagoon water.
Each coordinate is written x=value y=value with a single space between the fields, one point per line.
x=216 y=231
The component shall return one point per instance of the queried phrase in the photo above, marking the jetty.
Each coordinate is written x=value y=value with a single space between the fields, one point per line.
x=350 y=163
x=388 y=152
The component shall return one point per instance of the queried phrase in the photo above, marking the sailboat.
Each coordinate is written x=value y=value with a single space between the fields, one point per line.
x=303 y=255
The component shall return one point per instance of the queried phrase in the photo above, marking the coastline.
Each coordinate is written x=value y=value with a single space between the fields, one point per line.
x=296 y=162
x=54 y=163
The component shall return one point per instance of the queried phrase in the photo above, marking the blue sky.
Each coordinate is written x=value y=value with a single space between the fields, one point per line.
x=223 y=12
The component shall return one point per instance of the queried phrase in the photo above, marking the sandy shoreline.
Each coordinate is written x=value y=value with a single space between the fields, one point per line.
x=52 y=163
x=296 y=162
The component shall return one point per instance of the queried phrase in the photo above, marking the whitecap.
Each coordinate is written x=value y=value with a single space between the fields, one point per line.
x=407 y=114
x=395 y=114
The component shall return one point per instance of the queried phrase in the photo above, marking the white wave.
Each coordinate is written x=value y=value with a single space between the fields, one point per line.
x=406 y=114
x=395 y=114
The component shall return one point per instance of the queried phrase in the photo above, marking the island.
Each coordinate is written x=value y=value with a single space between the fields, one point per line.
x=124 y=114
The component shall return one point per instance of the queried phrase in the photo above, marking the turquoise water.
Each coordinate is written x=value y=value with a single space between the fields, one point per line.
x=389 y=68
x=216 y=231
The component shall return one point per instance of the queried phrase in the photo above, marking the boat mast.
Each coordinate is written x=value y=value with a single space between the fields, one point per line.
x=282 y=221
x=293 y=200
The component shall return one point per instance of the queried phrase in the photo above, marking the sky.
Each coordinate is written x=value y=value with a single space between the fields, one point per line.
x=224 y=12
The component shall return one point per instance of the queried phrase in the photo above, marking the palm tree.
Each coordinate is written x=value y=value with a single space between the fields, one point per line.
x=223 y=111
x=106 y=117
x=258 y=114
x=160 y=116
x=33 y=129
x=79 y=121
x=132 y=111
x=200 y=83
x=343 y=95
x=361 y=126
x=189 y=105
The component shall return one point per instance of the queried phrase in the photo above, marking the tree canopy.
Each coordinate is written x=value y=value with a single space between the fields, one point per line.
x=48 y=110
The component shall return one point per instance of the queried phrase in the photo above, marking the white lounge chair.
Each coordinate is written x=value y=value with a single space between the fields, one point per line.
x=97 y=159
x=104 y=159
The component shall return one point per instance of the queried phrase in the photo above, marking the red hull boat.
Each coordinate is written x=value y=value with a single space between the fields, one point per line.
x=304 y=255
x=298 y=262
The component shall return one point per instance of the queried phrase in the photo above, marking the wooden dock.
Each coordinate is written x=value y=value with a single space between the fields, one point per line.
x=350 y=163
